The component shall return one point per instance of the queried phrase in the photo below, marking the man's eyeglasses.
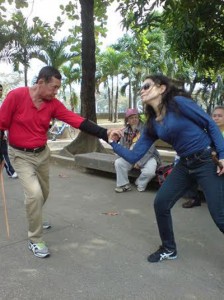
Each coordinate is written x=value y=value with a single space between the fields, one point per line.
x=146 y=86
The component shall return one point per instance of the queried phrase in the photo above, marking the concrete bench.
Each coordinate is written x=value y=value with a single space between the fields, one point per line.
x=105 y=162
x=100 y=161
x=97 y=161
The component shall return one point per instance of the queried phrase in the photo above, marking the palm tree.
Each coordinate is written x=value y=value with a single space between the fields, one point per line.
x=56 y=53
x=24 y=42
x=143 y=51
x=71 y=75
x=109 y=63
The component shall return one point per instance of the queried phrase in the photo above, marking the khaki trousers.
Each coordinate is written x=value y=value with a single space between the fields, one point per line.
x=33 y=173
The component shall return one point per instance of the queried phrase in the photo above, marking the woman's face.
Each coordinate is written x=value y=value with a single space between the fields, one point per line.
x=133 y=121
x=218 y=117
x=151 y=92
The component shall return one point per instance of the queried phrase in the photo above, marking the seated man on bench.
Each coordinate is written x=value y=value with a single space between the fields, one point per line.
x=147 y=165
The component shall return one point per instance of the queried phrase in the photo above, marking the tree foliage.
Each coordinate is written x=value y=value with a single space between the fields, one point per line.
x=21 y=39
x=187 y=28
x=23 y=42
x=178 y=41
x=55 y=53
x=110 y=64
x=192 y=36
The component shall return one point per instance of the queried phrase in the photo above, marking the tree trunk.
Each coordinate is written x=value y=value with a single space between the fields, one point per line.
x=71 y=97
x=112 y=98
x=88 y=109
x=135 y=96
x=85 y=143
x=109 y=103
x=25 y=75
x=116 y=103
x=130 y=93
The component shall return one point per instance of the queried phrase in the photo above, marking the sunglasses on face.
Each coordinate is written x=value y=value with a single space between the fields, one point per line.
x=146 y=86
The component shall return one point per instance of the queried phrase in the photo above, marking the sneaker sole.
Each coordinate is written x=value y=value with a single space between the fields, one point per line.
x=174 y=257
x=41 y=255
x=126 y=190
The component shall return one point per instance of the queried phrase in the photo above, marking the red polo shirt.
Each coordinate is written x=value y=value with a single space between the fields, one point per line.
x=27 y=125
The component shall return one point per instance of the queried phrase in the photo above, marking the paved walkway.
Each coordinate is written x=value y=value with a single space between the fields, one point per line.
x=99 y=244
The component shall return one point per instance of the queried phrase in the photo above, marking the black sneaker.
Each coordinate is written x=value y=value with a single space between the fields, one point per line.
x=161 y=254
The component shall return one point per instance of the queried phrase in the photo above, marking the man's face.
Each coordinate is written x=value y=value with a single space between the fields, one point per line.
x=48 y=90
x=218 y=117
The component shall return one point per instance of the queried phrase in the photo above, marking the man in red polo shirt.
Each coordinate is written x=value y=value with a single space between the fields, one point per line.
x=26 y=113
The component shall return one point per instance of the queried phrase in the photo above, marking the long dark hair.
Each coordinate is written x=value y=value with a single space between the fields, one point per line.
x=168 y=101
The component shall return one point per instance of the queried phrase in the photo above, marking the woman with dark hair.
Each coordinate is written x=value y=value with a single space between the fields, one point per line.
x=176 y=119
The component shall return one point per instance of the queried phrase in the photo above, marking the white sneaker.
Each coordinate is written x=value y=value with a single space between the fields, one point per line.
x=123 y=188
x=140 y=189
x=39 y=249
x=14 y=175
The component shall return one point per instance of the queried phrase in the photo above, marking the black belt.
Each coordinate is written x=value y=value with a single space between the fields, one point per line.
x=196 y=154
x=32 y=150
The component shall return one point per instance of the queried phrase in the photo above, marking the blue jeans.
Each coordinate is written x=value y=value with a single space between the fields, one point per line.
x=201 y=169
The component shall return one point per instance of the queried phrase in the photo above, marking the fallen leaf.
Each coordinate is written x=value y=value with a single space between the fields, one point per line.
x=110 y=213
x=63 y=175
